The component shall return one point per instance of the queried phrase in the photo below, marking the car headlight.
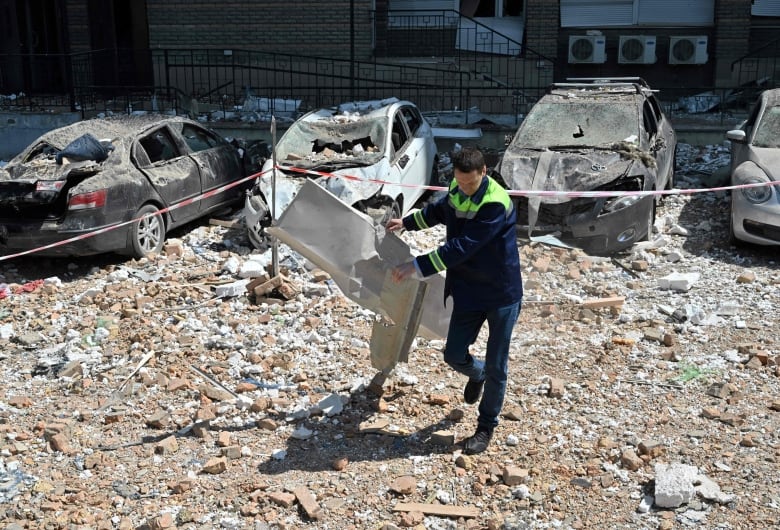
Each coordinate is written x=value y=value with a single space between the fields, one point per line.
x=758 y=194
x=618 y=203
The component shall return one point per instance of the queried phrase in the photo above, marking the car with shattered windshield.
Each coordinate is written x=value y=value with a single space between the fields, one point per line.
x=375 y=156
x=117 y=184
x=591 y=135
x=755 y=161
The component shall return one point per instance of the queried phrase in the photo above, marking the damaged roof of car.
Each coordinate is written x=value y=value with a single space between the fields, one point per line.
x=351 y=132
x=110 y=128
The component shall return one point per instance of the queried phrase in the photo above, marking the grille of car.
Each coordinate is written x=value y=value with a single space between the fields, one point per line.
x=762 y=230
x=554 y=214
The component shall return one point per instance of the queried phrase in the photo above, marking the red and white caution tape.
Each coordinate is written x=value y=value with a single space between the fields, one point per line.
x=517 y=193
x=544 y=193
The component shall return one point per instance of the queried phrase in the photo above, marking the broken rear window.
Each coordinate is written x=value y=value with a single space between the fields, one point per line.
x=577 y=123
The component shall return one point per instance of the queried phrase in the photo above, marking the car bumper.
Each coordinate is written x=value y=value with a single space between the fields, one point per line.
x=606 y=233
x=756 y=223
x=19 y=237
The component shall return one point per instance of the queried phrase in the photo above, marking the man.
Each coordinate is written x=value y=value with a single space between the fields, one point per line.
x=483 y=276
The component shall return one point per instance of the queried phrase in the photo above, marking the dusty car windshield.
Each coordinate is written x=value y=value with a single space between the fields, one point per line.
x=324 y=141
x=577 y=123
x=768 y=131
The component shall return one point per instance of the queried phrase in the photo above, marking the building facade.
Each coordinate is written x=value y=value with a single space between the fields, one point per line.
x=51 y=45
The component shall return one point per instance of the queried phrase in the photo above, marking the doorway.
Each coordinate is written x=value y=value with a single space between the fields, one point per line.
x=119 y=38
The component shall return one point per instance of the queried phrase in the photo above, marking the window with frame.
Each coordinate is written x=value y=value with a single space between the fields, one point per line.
x=600 y=13
x=159 y=146
x=412 y=118
x=198 y=139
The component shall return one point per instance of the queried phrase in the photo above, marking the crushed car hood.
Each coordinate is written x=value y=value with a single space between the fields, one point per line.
x=359 y=184
x=580 y=170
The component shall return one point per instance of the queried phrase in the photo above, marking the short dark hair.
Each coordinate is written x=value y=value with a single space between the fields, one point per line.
x=468 y=159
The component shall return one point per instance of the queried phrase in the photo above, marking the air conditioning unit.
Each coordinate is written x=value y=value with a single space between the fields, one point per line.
x=587 y=49
x=688 y=50
x=636 y=49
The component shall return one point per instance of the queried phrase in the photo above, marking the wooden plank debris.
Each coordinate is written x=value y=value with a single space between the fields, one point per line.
x=436 y=509
x=612 y=301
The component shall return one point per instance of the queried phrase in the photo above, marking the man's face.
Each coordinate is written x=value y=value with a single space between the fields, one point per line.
x=469 y=182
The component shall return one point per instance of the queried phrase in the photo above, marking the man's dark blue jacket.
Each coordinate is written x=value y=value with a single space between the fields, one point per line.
x=480 y=254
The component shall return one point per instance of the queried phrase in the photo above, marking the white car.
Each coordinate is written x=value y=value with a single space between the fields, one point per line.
x=375 y=156
x=755 y=158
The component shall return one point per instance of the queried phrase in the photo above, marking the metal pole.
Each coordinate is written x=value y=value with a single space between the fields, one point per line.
x=352 y=50
x=274 y=241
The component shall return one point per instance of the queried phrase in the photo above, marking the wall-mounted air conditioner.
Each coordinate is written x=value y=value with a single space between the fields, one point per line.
x=688 y=50
x=636 y=49
x=587 y=49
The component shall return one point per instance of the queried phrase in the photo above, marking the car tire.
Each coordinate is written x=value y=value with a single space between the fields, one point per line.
x=147 y=235
x=650 y=223
x=256 y=237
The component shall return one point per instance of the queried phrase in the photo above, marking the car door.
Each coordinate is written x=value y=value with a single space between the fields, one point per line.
x=407 y=165
x=657 y=146
x=217 y=160
x=173 y=174
x=666 y=133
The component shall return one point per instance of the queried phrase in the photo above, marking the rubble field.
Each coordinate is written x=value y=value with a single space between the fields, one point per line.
x=194 y=390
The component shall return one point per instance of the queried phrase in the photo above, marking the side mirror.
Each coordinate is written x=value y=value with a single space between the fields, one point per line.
x=737 y=135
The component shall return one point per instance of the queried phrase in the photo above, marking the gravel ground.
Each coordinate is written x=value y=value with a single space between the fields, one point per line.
x=119 y=385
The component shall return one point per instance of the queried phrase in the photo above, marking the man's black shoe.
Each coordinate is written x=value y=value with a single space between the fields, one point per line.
x=472 y=391
x=478 y=442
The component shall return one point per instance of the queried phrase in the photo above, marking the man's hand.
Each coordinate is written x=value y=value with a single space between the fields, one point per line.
x=394 y=225
x=403 y=271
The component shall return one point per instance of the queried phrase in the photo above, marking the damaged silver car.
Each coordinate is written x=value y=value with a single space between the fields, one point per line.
x=591 y=135
x=105 y=184
x=376 y=156
x=755 y=159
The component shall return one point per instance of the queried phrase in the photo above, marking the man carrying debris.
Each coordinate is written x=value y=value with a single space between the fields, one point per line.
x=482 y=262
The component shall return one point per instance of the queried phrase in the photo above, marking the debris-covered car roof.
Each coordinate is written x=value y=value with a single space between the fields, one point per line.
x=112 y=127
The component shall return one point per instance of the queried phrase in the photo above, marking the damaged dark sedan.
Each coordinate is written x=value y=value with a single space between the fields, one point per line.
x=106 y=184
x=594 y=135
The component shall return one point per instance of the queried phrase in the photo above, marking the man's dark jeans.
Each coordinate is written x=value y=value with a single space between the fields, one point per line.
x=463 y=331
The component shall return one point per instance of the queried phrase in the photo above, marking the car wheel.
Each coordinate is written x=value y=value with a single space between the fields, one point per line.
x=147 y=235
x=255 y=234
x=381 y=214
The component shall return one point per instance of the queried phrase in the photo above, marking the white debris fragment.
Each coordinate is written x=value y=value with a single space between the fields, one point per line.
x=252 y=269
x=230 y=290
x=646 y=504
x=331 y=405
x=521 y=492
x=231 y=265
x=302 y=433
x=674 y=484
x=678 y=230
x=679 y=281
x=708 y=489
